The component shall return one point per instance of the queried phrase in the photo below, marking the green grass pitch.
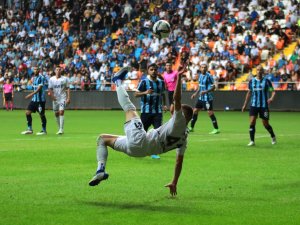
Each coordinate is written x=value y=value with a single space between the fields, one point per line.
x=44 y=179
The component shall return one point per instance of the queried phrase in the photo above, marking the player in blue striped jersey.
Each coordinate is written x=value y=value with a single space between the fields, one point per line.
x=38 y=102
x=153 y=101
x=259 y=88
x=205 y=100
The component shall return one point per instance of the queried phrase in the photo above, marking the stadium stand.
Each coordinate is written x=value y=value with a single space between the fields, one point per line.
x=80 y=36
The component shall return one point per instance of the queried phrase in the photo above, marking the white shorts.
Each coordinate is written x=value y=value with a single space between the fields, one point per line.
x=135 y=142
x=59 y=105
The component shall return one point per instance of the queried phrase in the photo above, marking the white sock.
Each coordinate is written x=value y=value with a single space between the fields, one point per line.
x=118 y=83
x=61 y=121
x=102 y=154
x=57 y=121
x=124 y=100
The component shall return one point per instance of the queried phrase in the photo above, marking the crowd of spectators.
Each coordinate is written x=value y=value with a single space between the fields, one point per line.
x=92 y=39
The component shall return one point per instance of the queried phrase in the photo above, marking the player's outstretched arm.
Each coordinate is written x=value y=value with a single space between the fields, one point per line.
x=178 y=166
x=177 y=92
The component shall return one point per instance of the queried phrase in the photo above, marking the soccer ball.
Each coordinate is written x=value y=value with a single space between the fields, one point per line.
x=161 y=28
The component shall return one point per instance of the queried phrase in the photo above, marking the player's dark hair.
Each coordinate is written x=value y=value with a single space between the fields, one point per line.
x=187 y=112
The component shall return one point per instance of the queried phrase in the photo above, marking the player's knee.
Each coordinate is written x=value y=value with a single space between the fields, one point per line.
x=100 y=140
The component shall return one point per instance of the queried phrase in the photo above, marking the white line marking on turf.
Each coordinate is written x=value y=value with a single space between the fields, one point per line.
x=215 y=138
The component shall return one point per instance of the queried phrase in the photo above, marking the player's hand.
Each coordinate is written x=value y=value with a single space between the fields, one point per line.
x=165 y=108
x=269 y=101
x=193 y=96
x=29 y=96
x=182 y=68
x=149 y=92
x=203 y=92
x=173 y=188
x=243 y=108
x=68 y=101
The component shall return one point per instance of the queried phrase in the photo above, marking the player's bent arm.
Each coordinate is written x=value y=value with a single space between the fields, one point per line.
x=272 y=97
x=51 y=94
x=33 y=93
x=164 y=101
x=213 y=88
x=196 y=93
x=138 y=94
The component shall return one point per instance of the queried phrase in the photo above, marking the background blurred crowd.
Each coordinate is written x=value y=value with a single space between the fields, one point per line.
x=92 y=39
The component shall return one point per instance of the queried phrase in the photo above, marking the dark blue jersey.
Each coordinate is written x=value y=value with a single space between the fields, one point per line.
x=260 y=92
x=39 y=81
x=206 y=81
x=152 y=103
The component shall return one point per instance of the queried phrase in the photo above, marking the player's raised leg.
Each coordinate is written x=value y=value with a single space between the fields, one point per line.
x=105 y=140
x=123 y=96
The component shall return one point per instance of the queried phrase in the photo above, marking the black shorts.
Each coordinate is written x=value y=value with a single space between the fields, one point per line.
x=206 y=105
x=8 y=97
x=37 y=107
x=262 y=112
x=170 y=97
x=154 y=119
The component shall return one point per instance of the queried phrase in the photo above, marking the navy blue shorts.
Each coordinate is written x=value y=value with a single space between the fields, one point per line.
x=170 y=97
x=206 y=105
x=8 y=97
x=37 y=107
x=262 y=112
x=154 y=119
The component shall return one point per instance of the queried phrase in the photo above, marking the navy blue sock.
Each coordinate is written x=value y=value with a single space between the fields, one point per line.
x=214 y=121
x=194 y=119
x=44 y=122
x=29 y=121
x=270 y=130
x=252 y=132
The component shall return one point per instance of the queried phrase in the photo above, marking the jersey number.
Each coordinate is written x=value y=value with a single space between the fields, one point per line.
x=138 y=125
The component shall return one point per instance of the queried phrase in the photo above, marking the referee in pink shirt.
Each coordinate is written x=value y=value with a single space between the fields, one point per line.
x=170 y=78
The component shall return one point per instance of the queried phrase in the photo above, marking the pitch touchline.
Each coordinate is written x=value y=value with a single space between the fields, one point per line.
x=257 y=136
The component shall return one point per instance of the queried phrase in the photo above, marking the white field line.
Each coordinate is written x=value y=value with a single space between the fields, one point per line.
x=37 y=138
x=213 y=137
x=216 y=137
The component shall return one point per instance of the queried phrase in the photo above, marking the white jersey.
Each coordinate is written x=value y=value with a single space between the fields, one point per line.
x=169 y=136
x=59 y=87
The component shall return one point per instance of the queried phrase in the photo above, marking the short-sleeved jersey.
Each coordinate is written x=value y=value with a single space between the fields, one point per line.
x=171 y=135
x=170 y=80
x=260 y=92
x=59 y=87
x=152 y=103
x=206 y=81
x=38 y=81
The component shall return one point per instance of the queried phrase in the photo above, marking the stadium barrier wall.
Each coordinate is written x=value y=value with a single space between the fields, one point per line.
x=223 y=100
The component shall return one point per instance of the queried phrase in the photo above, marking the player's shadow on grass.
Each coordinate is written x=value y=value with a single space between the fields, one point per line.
x=149 y=207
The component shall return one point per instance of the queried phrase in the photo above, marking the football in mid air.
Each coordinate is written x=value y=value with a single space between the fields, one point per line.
x=161 y=29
